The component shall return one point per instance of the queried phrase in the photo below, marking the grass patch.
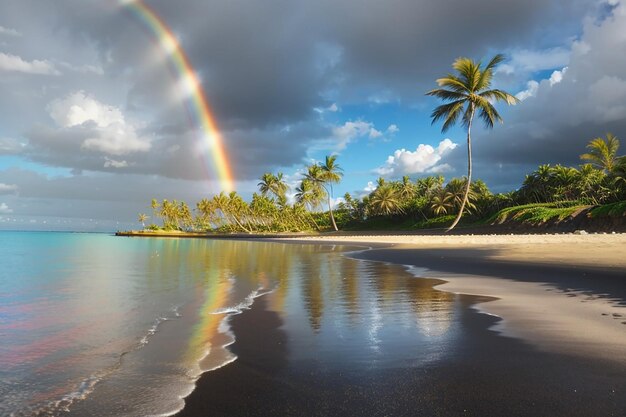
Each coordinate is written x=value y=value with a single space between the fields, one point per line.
x=609 y=210
x=536 y=213
x=435 y=223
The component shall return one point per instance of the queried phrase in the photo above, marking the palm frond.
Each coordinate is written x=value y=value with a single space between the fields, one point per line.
x=500 y=95
x=497 y=59
x=449 y=112
x=447 y=94
x=487 y=112
x=453 y=82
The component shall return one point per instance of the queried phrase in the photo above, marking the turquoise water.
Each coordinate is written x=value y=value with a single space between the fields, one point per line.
x=93 y=324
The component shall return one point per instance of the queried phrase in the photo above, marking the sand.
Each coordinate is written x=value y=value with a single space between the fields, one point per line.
x=562 y=293
x=566 y=357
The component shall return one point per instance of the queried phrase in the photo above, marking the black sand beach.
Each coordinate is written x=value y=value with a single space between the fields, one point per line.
x=483 y=374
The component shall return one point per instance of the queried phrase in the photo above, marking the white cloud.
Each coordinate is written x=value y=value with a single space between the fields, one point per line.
x=112 y=134
x=7 y=188
x=375 y=133
x=531 y=90
x=4 y=209
x=393 y=129
x=557 y=76
x=369 y=187
x=530 y=61
x=112 y=163
x=333 y=108
x=9 y=32
x=78 y=108
x=350 y=131
x=14 y=63
x=423 y=159
x=533 y=86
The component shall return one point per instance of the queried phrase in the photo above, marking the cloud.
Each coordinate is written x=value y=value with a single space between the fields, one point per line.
x=8 y=188
x=424 y=159
x=14 y=63
x=536 y=60
x=108 y=130
x=78 y=108
x=10 y=146
x=349 y=132
x=112 y=163
x=4 y=209
x=369 y=187
x=533 y=86
x=557 y=76
x=576 y=104
x=9 y=32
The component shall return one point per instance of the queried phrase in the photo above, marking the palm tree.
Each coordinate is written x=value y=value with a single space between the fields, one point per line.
x=142 y=219
x=406 y=188
x=441 y=202
x=324 y=174
x=274 y=184
x=309 y=194
x=468 y=92
x=266 y=185
x=603 y=153
x=385 y=200
x=456 y=187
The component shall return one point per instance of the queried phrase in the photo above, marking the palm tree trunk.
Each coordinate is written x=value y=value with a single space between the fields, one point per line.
x=332 y=218
x=469 y=170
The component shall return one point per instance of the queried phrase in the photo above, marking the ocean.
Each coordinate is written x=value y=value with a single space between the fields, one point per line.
x=98 y=325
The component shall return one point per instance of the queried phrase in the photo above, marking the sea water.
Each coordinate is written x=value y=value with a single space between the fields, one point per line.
x=101 y=325
x=98 y=325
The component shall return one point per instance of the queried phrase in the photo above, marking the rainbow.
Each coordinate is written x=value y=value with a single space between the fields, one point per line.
x=198 y=105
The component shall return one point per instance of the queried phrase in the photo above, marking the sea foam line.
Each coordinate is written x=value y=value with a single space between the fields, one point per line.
x=223 y=328
x=87 y=385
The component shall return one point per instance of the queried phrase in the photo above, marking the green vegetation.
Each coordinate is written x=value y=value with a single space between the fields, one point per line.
x=467 y=93
x=550 y=193
x=535 y=213
x=609 y=210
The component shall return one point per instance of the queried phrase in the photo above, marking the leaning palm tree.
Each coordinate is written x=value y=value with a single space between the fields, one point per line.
x=603 y=153
x=468 y=92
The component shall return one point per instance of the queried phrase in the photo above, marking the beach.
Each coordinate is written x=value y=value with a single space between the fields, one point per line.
x=540 y=330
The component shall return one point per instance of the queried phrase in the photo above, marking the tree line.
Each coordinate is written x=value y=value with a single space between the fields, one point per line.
x=424 y=202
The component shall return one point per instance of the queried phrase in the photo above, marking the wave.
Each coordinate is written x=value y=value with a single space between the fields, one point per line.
x=87 y=385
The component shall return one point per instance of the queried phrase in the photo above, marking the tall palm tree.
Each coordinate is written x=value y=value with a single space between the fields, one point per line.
x=468 y=92
x=603 y=153
x=332 y=174
x=323 y=175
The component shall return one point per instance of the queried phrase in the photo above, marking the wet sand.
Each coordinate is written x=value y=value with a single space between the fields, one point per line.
x=564 y=293
x=488 y=373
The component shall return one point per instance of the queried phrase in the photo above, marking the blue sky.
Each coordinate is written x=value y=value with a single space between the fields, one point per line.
x=94 y=125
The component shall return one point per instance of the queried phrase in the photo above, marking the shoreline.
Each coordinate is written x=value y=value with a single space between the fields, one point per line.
x=494 y=375
x=561 y=293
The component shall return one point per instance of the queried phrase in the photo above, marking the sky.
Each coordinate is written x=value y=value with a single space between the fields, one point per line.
x=95 y=122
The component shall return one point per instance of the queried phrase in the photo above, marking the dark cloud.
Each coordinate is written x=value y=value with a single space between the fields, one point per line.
x=266 y=67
